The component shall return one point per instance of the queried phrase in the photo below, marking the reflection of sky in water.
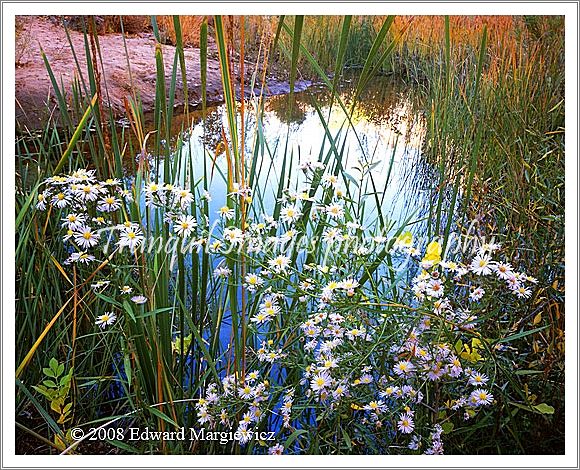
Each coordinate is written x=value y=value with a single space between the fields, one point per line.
x=388 y=133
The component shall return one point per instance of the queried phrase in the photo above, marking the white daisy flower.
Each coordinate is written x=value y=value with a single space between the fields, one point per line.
x=260 y=318
x=435 y=288
x=80 y=257
x=406 y=424
x=320 y=382
x=41 y=201
x=60 y=200
x=278 y=449
x=503 y=270
x=376 y=407
x=475 y=378
x=481 y=397
x=329 y=180
x=139 y=299
x=131 y=237
x=331 y=234
x=183 y=196
x=226 y=213
x=111 y=182
x=246 y=392
x=253 y=281
x=481 y=265
x=335 y=211
x=87 y=192
x=280 y=263
x=85 y=237
x=106 y=319
x=290 y=214
x=233 y=235
x=184 y=225
x=108 y=204
x=99 y=285
x=476 y=294
x=222 y=271
x=488 y=248
x=522 y=292
x=74 y=221
x=404 y=368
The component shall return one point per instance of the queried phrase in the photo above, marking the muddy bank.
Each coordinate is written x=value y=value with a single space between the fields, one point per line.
x=35 y=99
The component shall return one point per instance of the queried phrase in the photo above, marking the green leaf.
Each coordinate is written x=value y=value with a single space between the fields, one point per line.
x=347 y=439
x=76 y=135
x=163 y=416
x=292 y=437
x=528 y=372
x=126 y=447
x=53 y=364
x=108 y=299
x=129 y=309
x=447 y=427
x=522 y=334
x=154 y=312
x=544 y=408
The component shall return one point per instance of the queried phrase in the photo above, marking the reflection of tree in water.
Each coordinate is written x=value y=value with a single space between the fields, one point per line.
x=384 y=101
x=212 y=134
x=280 y=106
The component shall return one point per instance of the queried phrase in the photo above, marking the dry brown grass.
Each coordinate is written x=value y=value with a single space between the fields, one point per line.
x=190 y=25
x=23 y=39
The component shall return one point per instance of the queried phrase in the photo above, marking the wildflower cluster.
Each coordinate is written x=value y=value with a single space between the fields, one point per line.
x=333 y=335
x=92 y=215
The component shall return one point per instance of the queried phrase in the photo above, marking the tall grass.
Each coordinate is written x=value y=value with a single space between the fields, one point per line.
x=496 y=129
x=495 y=116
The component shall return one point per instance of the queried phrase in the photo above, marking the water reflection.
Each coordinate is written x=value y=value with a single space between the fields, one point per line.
x=387 y=134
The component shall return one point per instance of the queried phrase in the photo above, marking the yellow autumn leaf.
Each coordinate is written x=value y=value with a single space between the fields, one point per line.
x=405 y=239
x=433 y=252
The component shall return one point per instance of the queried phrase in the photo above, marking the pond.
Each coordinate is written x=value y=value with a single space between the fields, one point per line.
x=384 y=135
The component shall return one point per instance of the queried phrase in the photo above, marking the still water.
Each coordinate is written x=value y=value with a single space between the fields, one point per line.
x=385 y=132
